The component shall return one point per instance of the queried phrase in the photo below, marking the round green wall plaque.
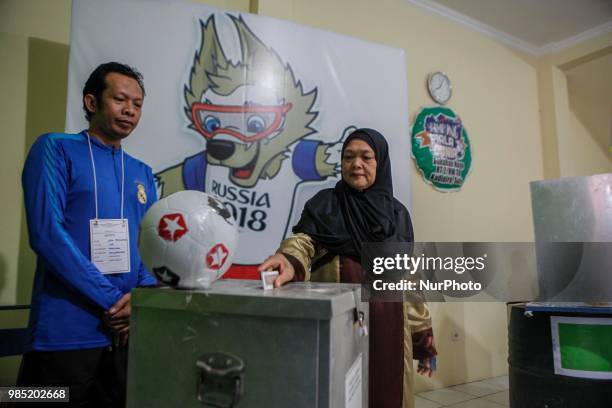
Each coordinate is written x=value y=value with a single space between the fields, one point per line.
x=441 y=148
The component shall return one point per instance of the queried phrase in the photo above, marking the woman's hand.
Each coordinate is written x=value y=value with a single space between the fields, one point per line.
x=278 y=262
x=426 y=366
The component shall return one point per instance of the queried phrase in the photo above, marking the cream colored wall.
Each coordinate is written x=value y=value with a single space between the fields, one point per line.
x=587 y=157
x=13 y=82
x=579 y=153
x=49 y=20
x=576 y=102
x=589 y=92
x=590 y=95
x=548 y=124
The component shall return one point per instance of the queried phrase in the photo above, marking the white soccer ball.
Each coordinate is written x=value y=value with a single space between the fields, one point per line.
x=188 y=239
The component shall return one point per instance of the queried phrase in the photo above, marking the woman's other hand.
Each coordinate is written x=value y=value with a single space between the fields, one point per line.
x=427 y=366
x=278 y=262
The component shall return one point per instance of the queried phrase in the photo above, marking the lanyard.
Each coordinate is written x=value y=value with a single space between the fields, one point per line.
x=93 y=166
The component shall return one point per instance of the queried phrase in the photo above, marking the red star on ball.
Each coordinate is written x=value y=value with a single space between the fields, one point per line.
x=172 y=227
x=216 y=257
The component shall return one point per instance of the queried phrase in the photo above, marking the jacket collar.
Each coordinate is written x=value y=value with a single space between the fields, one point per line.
x=96 y=142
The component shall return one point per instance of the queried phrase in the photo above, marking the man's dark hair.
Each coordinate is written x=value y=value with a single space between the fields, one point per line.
x=96 y=83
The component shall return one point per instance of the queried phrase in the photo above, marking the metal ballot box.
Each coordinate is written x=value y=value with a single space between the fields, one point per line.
x=236 y=345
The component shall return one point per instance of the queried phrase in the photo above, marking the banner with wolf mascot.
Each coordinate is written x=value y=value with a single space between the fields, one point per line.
x=248 y=108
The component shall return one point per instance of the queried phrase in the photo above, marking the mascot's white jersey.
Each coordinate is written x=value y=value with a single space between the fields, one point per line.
x=262 y=212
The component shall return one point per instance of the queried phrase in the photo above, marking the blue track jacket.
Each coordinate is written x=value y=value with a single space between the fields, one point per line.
x=70 y=294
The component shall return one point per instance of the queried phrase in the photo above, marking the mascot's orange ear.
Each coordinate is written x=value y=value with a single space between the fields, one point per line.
x=206 y=61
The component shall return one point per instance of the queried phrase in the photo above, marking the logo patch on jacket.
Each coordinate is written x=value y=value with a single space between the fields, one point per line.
x=141 y=193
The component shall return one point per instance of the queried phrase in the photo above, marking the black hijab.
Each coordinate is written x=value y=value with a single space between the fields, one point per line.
x=341 y=219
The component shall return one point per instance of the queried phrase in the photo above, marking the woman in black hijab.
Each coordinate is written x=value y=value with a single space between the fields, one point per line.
x=361 y=208
x=328 y=241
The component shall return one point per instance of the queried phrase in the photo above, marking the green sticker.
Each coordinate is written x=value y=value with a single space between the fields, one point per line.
x=586 y=347
x=441 y=148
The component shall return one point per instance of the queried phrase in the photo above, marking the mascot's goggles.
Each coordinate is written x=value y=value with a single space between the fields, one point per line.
x=248 y=123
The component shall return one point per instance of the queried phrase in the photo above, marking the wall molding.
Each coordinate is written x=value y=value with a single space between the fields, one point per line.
x=577 y=39
x=503 y=37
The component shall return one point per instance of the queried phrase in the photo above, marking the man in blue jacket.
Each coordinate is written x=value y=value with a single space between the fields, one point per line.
x=84 y=199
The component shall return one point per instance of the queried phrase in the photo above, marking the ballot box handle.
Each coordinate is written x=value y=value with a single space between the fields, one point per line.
x=360 y=321
x=220 y=379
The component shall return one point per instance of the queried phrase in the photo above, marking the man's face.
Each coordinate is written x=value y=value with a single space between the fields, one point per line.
x=118 y=111
x=359 y=165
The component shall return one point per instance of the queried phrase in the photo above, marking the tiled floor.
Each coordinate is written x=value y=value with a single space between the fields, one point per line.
x=489 y=393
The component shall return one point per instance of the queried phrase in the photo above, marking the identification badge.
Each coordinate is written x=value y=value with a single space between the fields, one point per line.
x=110 y=245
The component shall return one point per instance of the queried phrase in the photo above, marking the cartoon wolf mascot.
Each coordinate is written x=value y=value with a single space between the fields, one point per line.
x=255 y=118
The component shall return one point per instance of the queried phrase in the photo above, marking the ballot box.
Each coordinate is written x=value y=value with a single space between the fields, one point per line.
x=237 y=345
x=559 y=355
